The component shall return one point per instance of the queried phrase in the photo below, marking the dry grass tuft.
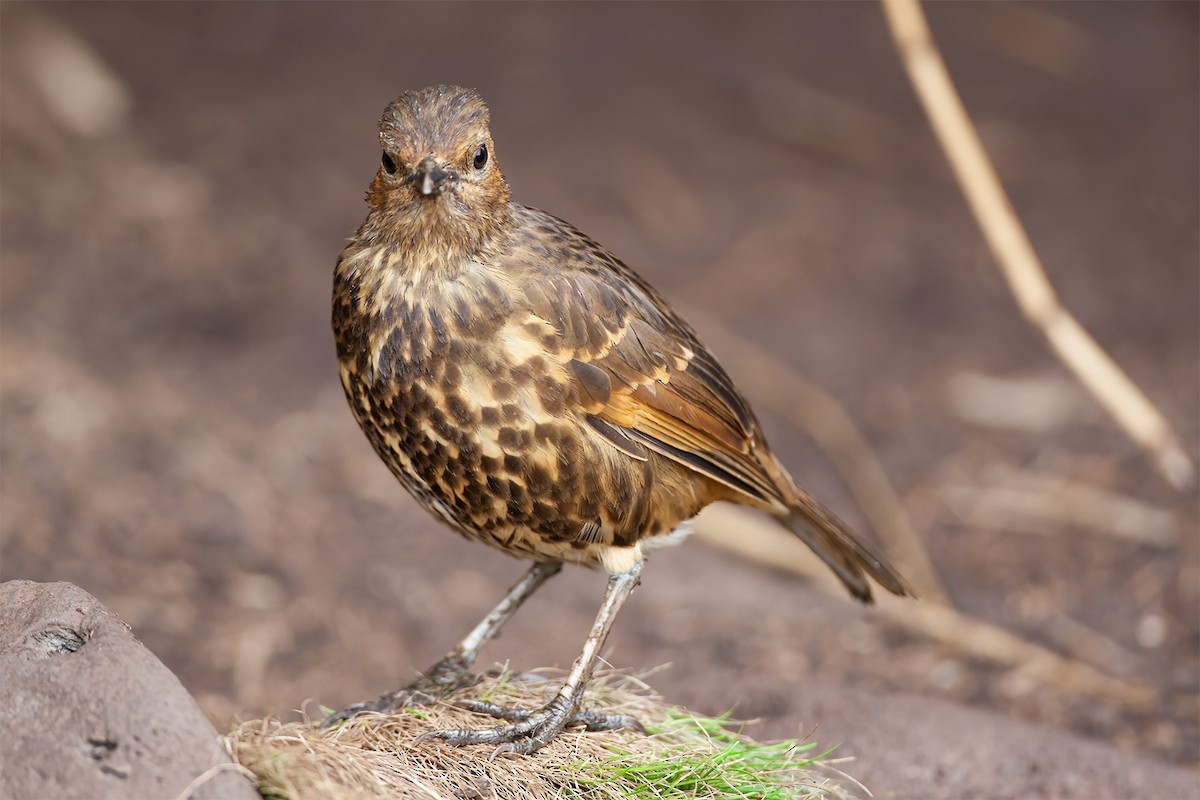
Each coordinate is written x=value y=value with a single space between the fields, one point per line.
x=373 y=757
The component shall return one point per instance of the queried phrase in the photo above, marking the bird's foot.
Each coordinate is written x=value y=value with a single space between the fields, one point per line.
x=445 y=677
x=531 y=730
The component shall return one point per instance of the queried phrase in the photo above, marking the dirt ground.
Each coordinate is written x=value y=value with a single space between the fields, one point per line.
x=177 y=180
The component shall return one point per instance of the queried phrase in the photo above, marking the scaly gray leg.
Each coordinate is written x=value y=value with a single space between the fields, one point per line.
x=532 y=730
x=454 y=670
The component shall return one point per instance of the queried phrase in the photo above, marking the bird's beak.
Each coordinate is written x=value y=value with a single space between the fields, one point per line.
x=430 y=177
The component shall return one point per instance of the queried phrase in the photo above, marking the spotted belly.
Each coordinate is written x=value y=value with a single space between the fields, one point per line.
x=487 y=430
x=495 y=466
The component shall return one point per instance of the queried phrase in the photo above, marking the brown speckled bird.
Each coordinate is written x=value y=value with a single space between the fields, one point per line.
x=537 y=395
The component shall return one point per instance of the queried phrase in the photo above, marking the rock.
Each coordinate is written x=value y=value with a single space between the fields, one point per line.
x=90 y=712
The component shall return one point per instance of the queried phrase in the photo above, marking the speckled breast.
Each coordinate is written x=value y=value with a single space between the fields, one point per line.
x=457 y=393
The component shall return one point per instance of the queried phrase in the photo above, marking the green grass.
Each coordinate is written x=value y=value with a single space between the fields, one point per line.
x=705 y=757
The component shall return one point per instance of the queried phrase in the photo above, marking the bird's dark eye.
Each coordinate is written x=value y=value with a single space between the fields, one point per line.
x=389 y=164
x=481 y=156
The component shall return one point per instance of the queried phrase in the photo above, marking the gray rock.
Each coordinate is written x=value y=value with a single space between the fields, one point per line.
x=89 y=712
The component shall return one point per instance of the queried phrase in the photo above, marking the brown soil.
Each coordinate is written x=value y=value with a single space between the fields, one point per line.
x=174 y=438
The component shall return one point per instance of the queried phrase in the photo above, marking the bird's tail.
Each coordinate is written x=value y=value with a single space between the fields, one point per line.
x=851 y=559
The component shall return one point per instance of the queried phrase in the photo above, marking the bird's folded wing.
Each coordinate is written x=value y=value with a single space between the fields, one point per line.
x=649 y=381
x=641 y=373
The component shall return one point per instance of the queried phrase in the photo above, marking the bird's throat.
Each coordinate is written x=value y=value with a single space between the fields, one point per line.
x=434 y=236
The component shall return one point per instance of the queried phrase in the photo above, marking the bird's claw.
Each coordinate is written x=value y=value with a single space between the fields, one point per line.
x=346 y=714
x=386 y=704
x=530 y=731
x=595 y=721
x=445 y=677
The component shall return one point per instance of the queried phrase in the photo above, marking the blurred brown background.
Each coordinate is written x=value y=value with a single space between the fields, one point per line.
x=177 y=180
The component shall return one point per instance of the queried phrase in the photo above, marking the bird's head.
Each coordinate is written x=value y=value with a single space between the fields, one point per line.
x=438 y=180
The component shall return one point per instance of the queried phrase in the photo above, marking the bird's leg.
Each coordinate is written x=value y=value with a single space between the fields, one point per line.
x=453 y=671
x=460 y=659
x=532 y=730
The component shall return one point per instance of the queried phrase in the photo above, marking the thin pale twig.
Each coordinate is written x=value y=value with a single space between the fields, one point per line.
x=1018 y=262
x=762 y=541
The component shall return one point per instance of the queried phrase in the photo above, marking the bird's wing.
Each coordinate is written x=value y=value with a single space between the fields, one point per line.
x=641 y=373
